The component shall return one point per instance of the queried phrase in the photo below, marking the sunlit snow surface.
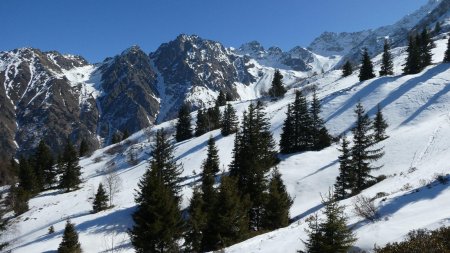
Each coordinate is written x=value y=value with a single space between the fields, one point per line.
x=417 y=108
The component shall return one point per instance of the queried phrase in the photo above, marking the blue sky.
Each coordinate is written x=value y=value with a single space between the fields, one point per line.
x=97 y=29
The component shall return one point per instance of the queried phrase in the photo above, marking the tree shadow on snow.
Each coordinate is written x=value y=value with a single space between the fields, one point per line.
x=430 y=101
x=359 y=95
x=392 y=206
x=199 y=146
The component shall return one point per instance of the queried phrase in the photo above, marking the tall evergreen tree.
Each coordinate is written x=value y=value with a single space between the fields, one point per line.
x=336 y=237
x=184 y=129
x=157 y=219
x=276 y=211
x=221 y=99
x=387 y=66
x=447 y=52
x=345 y=180
x=84 y=148
x=202 y=123
x=230 y=216
x=69 y=242
x=43 y=166
x=347 y=69
x=196 y=223
x=363 y=152
x=214 y=117
x=437 y=28
x=229 y=121
x=302 y=123
x=100 y=200
x=277 y=89
x=253 y=156
x=163 y=162
x=314 y=244
x=425 y=45
x=71 y=170
x=210 y=168
x=366 y=71
x=27 y=177
x=229 y=97
x=319 y=134
x=412 y=64
x=125 y=134
x=379 y=126
x=287 y=144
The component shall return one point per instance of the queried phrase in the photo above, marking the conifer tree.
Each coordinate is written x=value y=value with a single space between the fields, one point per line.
x=84 y=148
x=202 y=123
x=287 y=144
x=69 y=242
x=18 y=199
x=43 y=166
x=412 y=64
x=319 y=134
x=302 y=123
x=229 y=97
x=27 y=177
x=276 y=211
x=210 y=168
x=115 y=138
x=125 y=134
x=437 y=28
x=163 y=162
x=447 y=52
x=347 y=69
x=183 y=128
x=214 y=118
x=71 y=171
x=379 y=126
x=345 y=180
x=196 y=223
x=336 y=237
x=157 y=219
x=363 y=152
x=221 y=99
x=425 y=45
x=366 y=71
x=314 y=244
x=230 y=218
x=387 y=65
x=253 y=156
x=229 y=121
x=277 y=89
x=100 y=200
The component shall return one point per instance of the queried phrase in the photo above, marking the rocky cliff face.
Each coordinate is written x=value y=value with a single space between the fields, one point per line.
x=193 y=70
x=129 y=98
x=41 y=102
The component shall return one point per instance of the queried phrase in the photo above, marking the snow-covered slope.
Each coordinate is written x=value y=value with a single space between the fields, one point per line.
x=417 y=108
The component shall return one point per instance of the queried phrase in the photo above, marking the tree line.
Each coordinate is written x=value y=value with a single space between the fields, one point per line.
x=419 y=56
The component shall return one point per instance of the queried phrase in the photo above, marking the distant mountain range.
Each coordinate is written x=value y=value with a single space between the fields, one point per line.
x=50 y=96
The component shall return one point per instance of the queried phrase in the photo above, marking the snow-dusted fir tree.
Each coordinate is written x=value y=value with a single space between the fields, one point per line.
x=387 y=66
x=347 y=69
x=163 y=163
x=229 y=121
x=366 y=70
x=183 y=128
x=447 y=52
x=345 y=180
x=276 y=210
x=71 y=170
x=157 y=220
x=69 y=242
x=277 y=89
x=379 y=126
x=363 y=150
x=253 y=155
